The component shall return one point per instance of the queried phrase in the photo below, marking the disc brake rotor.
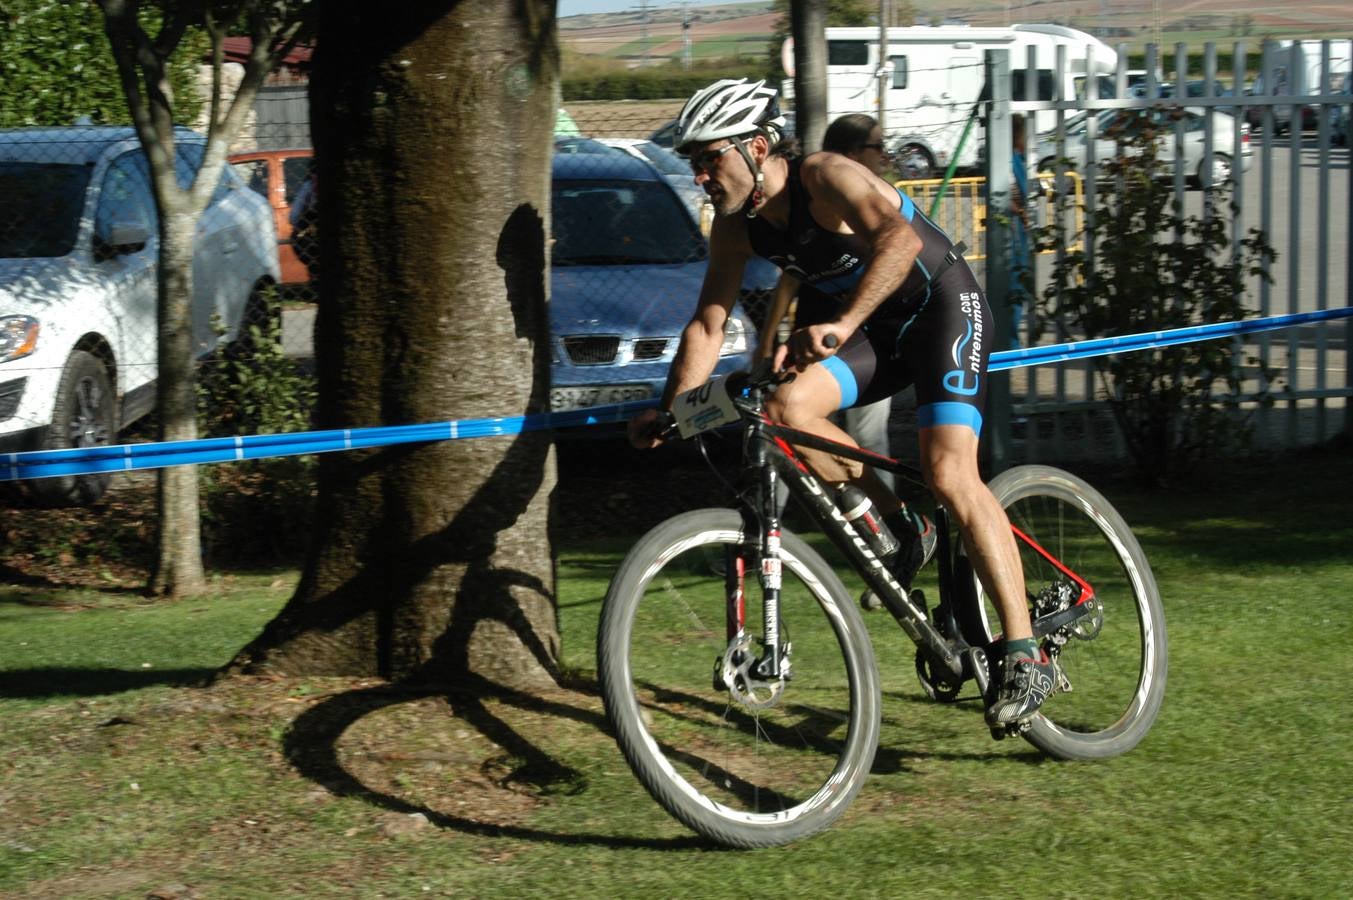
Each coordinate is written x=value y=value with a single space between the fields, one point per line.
x=735 y=670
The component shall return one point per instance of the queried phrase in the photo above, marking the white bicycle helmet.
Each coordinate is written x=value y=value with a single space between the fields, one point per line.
x=728 y=109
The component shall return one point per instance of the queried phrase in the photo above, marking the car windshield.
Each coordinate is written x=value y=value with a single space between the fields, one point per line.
x=40 y=206
x=617 y=223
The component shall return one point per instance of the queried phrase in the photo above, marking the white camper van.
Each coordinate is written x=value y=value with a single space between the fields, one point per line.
x=935 y=75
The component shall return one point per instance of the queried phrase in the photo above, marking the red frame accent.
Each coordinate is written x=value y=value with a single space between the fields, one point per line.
x=1087 y=592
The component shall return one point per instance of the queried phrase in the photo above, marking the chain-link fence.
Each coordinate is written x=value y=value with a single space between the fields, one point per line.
x=79 y=234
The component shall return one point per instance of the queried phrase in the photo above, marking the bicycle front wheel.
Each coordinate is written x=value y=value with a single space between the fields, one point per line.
x=1112 y=663
x=743 y=760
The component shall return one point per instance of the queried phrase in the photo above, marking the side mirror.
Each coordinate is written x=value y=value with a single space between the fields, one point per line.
x=123 y=237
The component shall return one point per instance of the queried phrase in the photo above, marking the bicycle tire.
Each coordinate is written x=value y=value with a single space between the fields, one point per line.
x=1117 y=674
x=744 y=778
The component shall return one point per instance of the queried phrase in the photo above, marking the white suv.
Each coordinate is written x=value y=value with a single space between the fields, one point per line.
x=79 y=244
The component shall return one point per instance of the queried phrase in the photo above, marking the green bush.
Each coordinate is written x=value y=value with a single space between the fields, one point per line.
x=56 y=66
x=1154 y=268
x=656 y=83
x=262 y=509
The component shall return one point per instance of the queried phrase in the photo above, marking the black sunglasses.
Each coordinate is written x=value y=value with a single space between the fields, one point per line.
x=701 y=162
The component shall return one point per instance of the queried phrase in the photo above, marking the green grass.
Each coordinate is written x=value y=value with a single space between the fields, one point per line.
x=120 y=775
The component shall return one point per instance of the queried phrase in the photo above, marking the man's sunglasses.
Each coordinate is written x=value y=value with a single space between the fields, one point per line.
x=701 y=162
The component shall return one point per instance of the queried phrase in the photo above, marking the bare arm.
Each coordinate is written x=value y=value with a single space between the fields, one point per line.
x=847 y=196
x=852 y=195
x=785 y=289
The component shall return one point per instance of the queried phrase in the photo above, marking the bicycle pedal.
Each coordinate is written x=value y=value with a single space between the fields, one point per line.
x=1014 y=729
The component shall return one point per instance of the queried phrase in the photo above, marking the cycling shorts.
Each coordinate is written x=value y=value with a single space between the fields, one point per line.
x=942 y=349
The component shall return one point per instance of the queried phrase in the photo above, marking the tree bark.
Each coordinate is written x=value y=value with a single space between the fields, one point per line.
x=432 y=126
x=809 y=18
x=178 y=569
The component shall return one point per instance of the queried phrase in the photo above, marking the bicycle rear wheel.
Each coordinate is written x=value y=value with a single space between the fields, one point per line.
x=745 y=762
x=1113 y=663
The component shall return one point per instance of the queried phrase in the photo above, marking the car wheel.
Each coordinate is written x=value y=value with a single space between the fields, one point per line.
x=1221 y=171
x=85 y=415
x=913 y=162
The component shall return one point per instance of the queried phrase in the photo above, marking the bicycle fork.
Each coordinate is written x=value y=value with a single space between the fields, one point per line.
x=755 y=680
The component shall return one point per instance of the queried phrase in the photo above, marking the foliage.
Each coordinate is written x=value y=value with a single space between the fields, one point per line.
x=597 y=82
x=56 y=66
x=259 y=509
x=1154 y=268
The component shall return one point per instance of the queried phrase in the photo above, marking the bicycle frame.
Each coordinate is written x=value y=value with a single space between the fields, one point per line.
x=947 y=639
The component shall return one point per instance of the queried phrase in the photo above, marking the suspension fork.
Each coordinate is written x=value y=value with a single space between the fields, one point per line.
x=760 y=518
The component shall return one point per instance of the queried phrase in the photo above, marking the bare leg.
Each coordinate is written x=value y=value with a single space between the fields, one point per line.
x=949 y=462
x=805 y=404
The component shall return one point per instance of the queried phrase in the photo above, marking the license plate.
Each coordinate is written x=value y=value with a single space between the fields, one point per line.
x=566 y=398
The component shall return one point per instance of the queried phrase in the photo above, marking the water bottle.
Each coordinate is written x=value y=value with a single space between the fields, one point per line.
x=860 y=512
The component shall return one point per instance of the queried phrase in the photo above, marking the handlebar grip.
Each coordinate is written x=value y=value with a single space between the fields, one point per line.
x=830 y=341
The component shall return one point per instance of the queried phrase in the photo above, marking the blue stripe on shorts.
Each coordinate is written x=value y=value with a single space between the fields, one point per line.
x=845 y=379
x=949 y=414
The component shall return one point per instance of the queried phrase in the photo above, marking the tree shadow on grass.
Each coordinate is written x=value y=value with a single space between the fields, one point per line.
x=86 y=682
x=311 y=746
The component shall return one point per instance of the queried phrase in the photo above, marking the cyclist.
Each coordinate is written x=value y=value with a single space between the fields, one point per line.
x=908 y=311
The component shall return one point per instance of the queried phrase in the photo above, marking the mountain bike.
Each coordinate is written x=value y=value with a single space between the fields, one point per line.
x=738 y=674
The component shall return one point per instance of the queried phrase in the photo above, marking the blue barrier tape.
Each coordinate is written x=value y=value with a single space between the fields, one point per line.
x=1037 y=356
x=130 y=457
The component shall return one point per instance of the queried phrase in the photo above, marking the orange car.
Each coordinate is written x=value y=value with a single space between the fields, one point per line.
x=277 y=175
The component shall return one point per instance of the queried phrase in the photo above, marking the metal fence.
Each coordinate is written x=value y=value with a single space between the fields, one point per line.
x=1286 y=154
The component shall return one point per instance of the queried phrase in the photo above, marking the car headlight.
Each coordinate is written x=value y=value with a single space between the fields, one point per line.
x=18 y=337
x=735 y=337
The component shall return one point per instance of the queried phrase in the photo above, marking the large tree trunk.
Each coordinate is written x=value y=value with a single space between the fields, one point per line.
x=432 y=126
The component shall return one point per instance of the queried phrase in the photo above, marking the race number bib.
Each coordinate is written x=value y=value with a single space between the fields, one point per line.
x=705 y=407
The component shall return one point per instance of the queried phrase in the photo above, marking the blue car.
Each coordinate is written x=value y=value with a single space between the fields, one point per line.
x=627 y=263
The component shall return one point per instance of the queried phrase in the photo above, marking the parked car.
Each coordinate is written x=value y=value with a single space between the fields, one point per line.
x=1202 y=88
x=79 y=245
x=627 y=263
x=565 y=143
x=675 y=170
x=1113 y=124
x=1282 y=112
x=277 y=176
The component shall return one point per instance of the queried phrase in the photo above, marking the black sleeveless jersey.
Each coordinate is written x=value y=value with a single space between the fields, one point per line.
x=832 y=264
